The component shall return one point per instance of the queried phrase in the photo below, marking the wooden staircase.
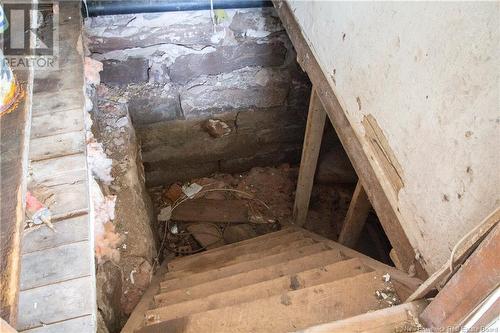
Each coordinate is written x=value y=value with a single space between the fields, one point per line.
x=280 y=282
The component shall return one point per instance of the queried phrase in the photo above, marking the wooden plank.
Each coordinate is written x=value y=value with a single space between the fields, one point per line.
x=400 y=318
x=57 y=146
x=55 y=167
x=14 y=134
x=242 y=267
x=206 y=210
x=230 y=259
x=61 y=101
x=68 y=231
x=136 y=319
x=54 y=265
x=411 y=283
x=474 y=281
x=310 y=152
x=85 y=324
x=459 y=256
x=238 y=248
x=286 y=312
x=369 y=177
x=57 y=123
x=56 y=302
x=277 y=286
x=246 y=278
x=356 y=217
x=70 y=199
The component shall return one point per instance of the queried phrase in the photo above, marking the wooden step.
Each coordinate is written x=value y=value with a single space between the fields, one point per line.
x=289 y=311
x=308 y=278
x=246 y=266
x=184 y=262
x=400 y=318
x=227 y=259
x=247 y=278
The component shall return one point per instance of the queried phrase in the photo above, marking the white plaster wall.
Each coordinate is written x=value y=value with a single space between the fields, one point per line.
x=429 y=73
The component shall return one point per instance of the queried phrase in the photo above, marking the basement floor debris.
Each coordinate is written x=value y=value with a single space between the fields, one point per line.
x=228 y=208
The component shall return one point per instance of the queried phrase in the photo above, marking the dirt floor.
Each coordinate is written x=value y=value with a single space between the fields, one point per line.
x=269 y=193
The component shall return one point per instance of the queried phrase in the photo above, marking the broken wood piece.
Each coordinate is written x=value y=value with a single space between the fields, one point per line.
x=468 y=288
x=312 y=143
x=356 y=217
x=216 y=211
x=458 y=256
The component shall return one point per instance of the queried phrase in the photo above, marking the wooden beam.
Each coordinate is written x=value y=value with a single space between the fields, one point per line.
x=356 y=217
x=468 y=288
x=310 y=152
x=374 y=182
x=14 y=138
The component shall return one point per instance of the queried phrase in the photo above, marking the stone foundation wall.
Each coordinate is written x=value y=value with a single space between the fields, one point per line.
x=176 y=70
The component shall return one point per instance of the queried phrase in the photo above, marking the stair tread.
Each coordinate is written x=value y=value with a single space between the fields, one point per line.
x=308 y=278
x=289 y=311
x=194 y=279
x=180 y=262
x=246 y=278
x=227 y=259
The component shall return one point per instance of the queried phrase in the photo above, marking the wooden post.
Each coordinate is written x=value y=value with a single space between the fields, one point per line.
x=312 y=143
x=356 y=217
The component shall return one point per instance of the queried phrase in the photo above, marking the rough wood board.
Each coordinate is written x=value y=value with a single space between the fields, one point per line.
x=368 y=176
x=389 y=320
x=247 y=278
x=49 y=103
x=277 y=286
x=255 y=243
x=242 y=267
x=70 y=198
x=356 y=217
x=206 y=210
x=57 y=123
x=289 y=311
x=85 y=324
x=14 y=132
x=54 y=265
x=474 y=282
x=56 y=302
x=223 y=259
x=68 y=231
x=310 y=152
x=296 y=244
x=57 y=146
x=47 y=169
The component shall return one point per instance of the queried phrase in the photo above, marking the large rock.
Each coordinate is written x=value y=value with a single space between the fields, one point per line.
x=246 y=88
x=226 y=59
x=256 y=23
x=152 y=103
x=122 y=73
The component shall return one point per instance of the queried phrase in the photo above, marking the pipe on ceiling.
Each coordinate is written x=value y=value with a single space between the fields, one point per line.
x=99 y=8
